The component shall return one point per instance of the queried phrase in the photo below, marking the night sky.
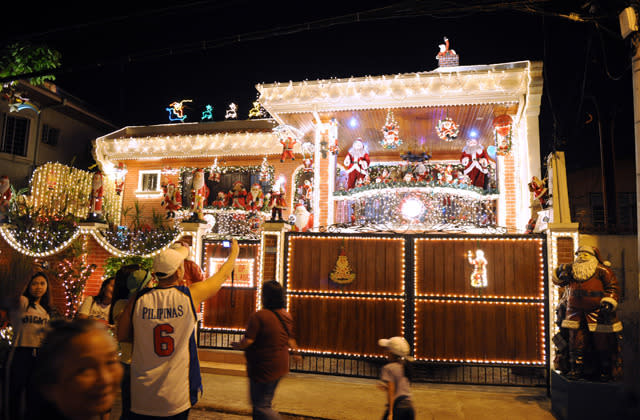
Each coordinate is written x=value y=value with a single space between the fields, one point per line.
x=129 y=61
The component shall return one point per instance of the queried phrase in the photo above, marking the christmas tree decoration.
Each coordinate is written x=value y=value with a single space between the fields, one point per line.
x=264 y=170
x=479 y=274
x=176 y=110
x=232 y=112
x=390 y=132
x=447 y=57
x=503 y=132
x=447 y=129
x=342 y=273
x=207 y=114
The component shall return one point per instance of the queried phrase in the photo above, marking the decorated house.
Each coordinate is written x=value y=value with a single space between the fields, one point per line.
x=410 y=204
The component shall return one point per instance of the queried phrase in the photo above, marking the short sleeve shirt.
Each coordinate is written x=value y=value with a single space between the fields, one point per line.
x=394 y=372
x=268 y=356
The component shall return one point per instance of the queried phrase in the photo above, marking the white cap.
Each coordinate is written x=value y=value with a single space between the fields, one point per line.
x=396 y=345
x=179 y=246
x=167 y=262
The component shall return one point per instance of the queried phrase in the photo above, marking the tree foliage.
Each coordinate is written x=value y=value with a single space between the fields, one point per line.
x=24 y=58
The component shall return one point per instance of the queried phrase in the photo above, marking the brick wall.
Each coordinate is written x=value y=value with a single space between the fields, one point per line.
x=269 y=259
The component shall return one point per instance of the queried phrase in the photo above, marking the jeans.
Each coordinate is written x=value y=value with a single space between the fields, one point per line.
x=402 y=409
x=261 y=396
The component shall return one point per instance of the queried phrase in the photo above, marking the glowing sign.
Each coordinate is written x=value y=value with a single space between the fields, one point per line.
x=243 y=272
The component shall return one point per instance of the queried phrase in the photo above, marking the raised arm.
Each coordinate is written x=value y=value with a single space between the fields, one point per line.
x=203 y=290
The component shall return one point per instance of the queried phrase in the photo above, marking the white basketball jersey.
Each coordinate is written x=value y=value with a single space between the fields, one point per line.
x=165 y=372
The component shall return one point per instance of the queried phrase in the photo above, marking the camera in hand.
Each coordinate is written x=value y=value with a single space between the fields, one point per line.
x=226 y=244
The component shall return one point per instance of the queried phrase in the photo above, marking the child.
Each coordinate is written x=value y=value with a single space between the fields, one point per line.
x=396 y=376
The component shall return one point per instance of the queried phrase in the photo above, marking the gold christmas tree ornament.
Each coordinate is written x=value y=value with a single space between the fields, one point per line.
x=342 y=271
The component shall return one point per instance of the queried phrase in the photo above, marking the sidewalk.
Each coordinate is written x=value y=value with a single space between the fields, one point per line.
x=341 y=398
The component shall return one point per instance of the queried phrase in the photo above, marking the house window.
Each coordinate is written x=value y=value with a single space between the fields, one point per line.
x=50 y=135
x=148 y=183
x=15 y=135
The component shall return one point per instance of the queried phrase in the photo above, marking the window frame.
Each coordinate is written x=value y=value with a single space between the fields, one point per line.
x=142 y=193
x=3 y=137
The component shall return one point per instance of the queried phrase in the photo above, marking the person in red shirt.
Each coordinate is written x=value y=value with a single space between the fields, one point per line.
x=267 y=341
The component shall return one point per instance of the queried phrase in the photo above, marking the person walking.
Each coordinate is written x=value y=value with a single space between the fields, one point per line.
x=77 y=371
x=29 y=319
x=396 y=379
x=98 y=307
x=165 y=372
x=267 y=342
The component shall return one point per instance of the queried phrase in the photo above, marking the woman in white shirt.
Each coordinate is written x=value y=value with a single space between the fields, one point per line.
x=29 y=319
x=98 y=307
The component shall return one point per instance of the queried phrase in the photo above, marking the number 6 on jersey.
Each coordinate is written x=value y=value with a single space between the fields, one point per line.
x=162 y=342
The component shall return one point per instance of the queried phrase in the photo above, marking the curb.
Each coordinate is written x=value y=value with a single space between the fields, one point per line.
x=243 y=412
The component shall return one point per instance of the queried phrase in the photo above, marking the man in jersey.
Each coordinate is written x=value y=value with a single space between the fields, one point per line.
x=165 y=372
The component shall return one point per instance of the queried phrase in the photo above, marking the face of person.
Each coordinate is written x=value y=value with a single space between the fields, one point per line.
x=38 y=287
x=108 y=291
x=89 y=376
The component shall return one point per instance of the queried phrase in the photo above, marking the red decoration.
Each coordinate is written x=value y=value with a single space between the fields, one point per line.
x=503 y=131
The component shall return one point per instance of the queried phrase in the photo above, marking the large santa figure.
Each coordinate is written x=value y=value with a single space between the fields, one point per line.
x=304 y=219
x=357 y=163
x=95 y=203
x=592 y=293
x=5 y=198
x=255 y=198
x=476 y=162
x=171 y=200
x=199 y=193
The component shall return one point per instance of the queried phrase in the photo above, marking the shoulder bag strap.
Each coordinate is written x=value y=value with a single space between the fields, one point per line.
x=281 y=321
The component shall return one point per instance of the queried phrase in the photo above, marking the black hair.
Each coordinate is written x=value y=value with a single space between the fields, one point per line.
x=272 y=295
x=56 y=345
x=103 y=289
x=120 y=289
x=45 y=300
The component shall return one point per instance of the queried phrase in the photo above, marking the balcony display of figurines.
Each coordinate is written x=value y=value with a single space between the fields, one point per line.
x=590 y=338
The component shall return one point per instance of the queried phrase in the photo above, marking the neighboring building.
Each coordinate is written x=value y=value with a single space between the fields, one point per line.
x=45 y=125
x=587 y=204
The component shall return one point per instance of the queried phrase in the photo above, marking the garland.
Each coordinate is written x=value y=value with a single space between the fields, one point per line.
x=42 y=234
x=141 y=241
x=113 y=264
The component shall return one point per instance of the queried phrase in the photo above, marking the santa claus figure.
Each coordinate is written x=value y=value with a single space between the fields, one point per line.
x=237 y=196
x=277 y=201
x=304 y=219
x=591 y=291
x=95 y=203
x=357 y=163
x=199 y=194
x=287 y=148
x=476 y=162
x=171 y=200
x=5 y=198
x=220 y=201
x=307 y=191
x=307 y=165
x=255 y=198
x=540 y=191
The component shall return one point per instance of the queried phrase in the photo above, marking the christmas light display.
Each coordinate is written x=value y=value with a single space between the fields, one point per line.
x=342 y=273
x=432 y=209
x=390 y=132
x=266 y=171
x=243 y=272
x=479 y=273
x=214 y=171
x=120 y=173
x=257 y=111
x=447 y=129
x=141 y=241
x=232 y=112
x=73 y=273
x=207 y=114
x=176 y=110
x=241 y=224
